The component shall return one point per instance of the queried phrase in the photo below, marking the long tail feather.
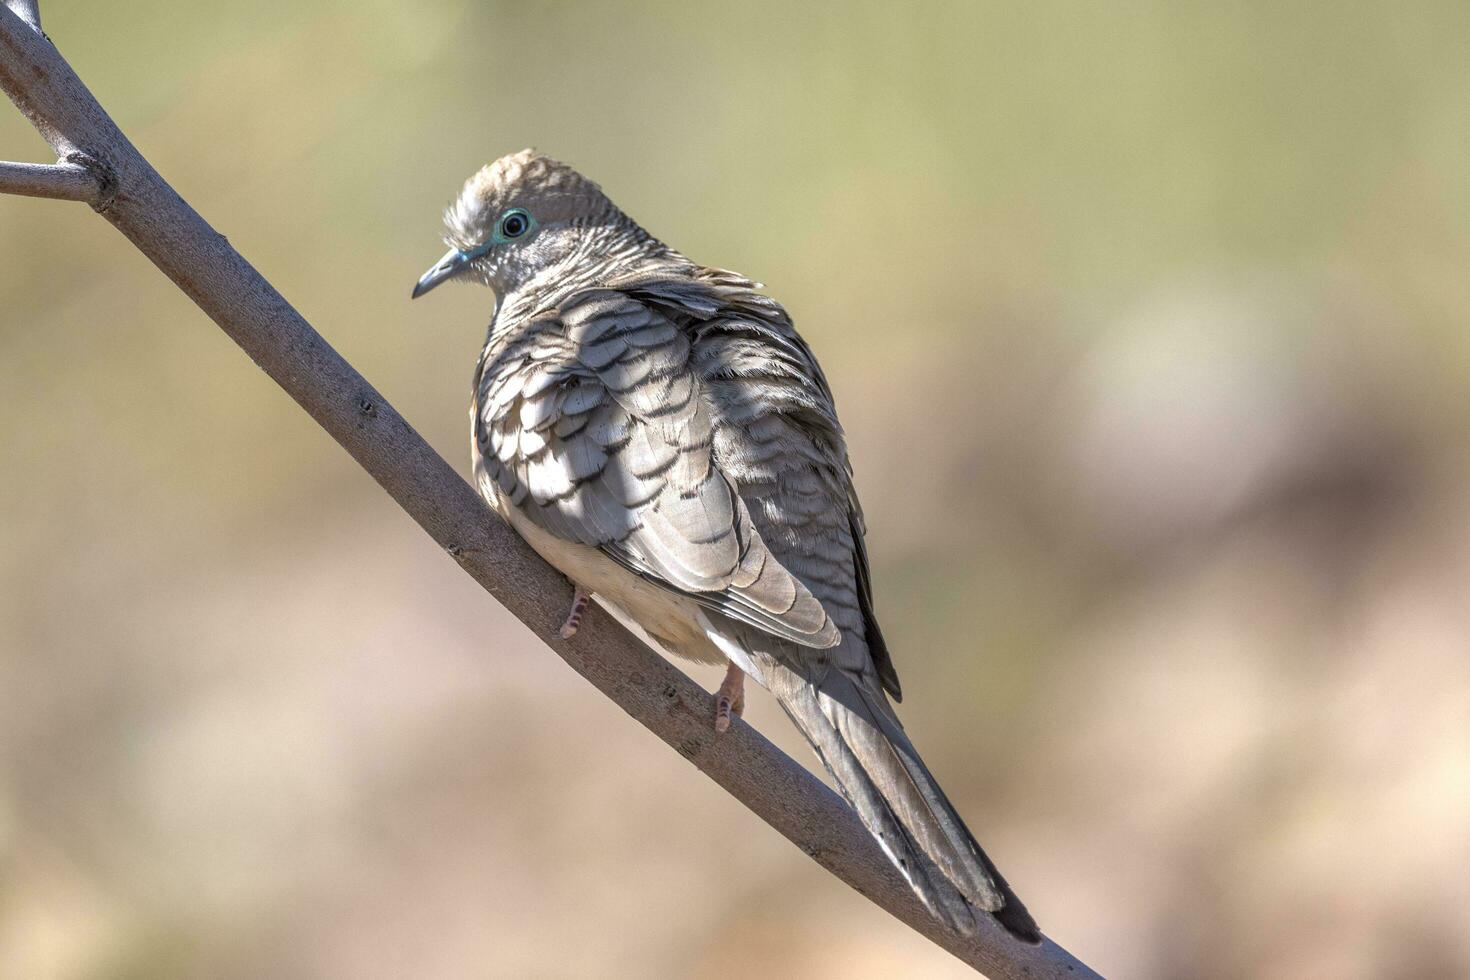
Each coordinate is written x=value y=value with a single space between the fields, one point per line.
x=877 y=769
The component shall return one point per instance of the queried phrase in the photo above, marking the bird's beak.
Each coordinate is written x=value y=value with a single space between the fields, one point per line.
x=453 y=263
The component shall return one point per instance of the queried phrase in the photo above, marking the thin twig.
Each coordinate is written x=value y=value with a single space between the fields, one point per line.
x=62 y=181
x=142 y=206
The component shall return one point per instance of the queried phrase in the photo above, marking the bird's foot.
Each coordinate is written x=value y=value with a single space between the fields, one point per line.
x=730 y=698
x=580 y=598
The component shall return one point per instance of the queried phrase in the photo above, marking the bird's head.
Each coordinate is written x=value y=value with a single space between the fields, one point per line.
x=521 y=215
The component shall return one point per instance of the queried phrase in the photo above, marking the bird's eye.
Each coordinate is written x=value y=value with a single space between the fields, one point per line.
x=514 y=223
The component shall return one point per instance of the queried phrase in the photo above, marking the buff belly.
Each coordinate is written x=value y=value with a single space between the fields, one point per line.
x=672 y=620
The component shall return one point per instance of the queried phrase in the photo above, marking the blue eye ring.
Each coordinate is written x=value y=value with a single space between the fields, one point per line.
x=513 y=224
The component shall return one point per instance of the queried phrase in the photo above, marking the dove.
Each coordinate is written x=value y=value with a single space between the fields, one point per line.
x=659 y=432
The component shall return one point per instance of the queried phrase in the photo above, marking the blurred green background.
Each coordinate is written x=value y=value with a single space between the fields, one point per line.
x=1147 y=321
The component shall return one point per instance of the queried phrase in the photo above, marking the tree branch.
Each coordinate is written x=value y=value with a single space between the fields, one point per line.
x=141 y=205
x=62 y=181
x=27 y=11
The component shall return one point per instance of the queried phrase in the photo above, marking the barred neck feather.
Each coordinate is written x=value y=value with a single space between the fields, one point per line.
x=607 y=255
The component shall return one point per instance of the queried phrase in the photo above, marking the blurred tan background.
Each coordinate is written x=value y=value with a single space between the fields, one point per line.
x=1148 y=323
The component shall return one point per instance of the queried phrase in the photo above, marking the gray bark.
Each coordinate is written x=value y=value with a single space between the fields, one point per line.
x=26 y=10
x=63 y=181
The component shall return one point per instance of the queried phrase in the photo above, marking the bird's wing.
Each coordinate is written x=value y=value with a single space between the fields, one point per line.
x=591 y=421
x=777 y=438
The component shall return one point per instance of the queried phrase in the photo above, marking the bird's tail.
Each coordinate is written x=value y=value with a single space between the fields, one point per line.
x=859 y=739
